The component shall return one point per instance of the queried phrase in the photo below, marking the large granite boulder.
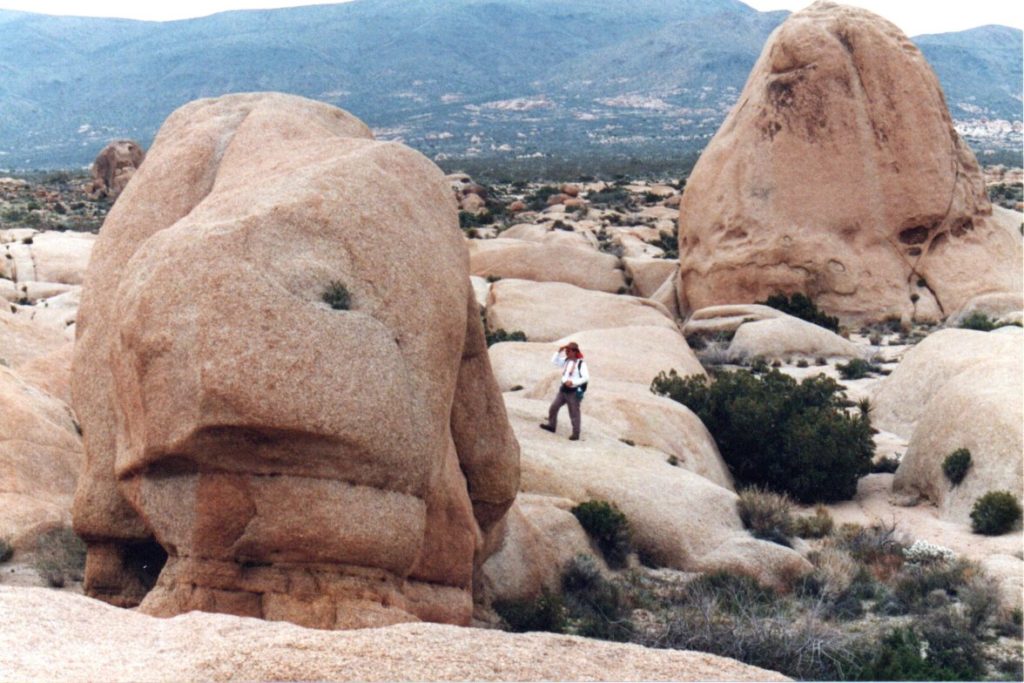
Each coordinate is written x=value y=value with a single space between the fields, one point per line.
x=838 y=174
x=114 y=166
x=546 y=262
x=334 y=465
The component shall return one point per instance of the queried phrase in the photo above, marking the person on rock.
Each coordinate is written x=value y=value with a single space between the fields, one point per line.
x=574 y=384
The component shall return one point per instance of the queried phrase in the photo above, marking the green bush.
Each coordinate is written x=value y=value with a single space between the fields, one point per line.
x=501 y=335
x=538 y=200
x=885 y=465
x=766 y=514
x=545 y=613
x=669 y=243
x=59 y=557
x=800 y=306
x=857 y=368
x=596 y=607
x=956 y=464
x=337 y=296
x=793 y=438
x=901 y=656
x=609 y=528
x=978 y=321
x=995 y=513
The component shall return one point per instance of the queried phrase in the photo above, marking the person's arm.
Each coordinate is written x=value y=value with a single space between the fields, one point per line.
x=559 y=358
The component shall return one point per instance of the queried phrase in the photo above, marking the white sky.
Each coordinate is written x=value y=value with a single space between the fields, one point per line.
x=913 y=16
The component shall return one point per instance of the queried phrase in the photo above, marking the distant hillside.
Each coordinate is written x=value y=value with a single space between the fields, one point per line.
x=454 y=78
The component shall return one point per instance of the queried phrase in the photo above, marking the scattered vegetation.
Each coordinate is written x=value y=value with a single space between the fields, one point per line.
x=800 y=306
x=545 y=613
x=766 y=514
x=669 y=243
x=978 y=321
x=337 y=296
x=885 y=465
x=789 y=437
x=857 y=368
x=609 y=528
x=500 y=335
x=60 y=557
x=597 y=607
x=818 y=525
x=956 y=464
x=1006 y=195
x=995 y=513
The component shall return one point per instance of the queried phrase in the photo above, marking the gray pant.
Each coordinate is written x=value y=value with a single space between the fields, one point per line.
x=571 y=399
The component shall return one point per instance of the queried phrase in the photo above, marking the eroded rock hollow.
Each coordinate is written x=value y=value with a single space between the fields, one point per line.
x=331 y=465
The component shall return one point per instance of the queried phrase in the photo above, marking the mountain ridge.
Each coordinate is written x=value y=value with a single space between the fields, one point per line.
x=606 y=76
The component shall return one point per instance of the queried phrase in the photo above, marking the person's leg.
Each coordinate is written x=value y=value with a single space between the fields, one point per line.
x=556 y=405
x=573 y=401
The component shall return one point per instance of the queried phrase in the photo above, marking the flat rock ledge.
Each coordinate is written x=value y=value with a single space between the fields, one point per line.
x=54 y=635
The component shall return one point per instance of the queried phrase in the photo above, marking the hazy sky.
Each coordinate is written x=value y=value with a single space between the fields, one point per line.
x=913 y=16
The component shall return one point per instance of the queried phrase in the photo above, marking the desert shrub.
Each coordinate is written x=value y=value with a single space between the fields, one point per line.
x=979 y=599
x=596 y=607
x=995 y=513
x=59 y=557
x=733 y=617
x=501 y=335
x=956 y=464
x=978 y=321
x=802 y=363
x=544 y=613
x=469 y=219
x=611 y=195
x=952 y=645
x=766 y=514
x=885 y=465
x=800 y=306
x=857 y=368
x=793 y=438
x=878 y=547
x=901 y=656
x=6 y=551
x=916 y=585
x=609 y=528
x=337 y=296
x=818 y=525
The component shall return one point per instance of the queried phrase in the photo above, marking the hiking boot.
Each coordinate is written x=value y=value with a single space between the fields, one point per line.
x=574 y=437
x=546 y=427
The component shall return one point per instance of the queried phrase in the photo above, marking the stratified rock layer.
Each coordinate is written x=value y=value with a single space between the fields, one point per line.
x=334 y=466
x=839 y=174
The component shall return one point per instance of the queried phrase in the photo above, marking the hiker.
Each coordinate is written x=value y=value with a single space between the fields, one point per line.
x=571 y=390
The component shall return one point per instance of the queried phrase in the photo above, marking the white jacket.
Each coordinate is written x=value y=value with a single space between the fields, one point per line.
x=573 y=371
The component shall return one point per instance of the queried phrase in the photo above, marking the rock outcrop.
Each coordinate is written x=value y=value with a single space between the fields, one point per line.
x=40 y=457
x=307 y=424
x=839 y=174
x=98 y=642
x=543 y=262
x=958 y=389
x=114 y=166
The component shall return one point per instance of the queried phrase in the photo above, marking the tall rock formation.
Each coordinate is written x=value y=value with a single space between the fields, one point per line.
x=114 y=166
x=331 y=465
x=839 y=174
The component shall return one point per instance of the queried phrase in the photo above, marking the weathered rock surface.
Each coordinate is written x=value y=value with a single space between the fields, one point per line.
x=546 y=311
x=828 y=180
x=648 y=274
x=727 y=318
x=99 y=642
x=679 y=519
x=902 y=399
x=981 y=408
x=114 y=167
x=787 y=335
x=21 y=339
x=40 y=457
x=211 y=404
x=544 y=262
x=622 y=354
